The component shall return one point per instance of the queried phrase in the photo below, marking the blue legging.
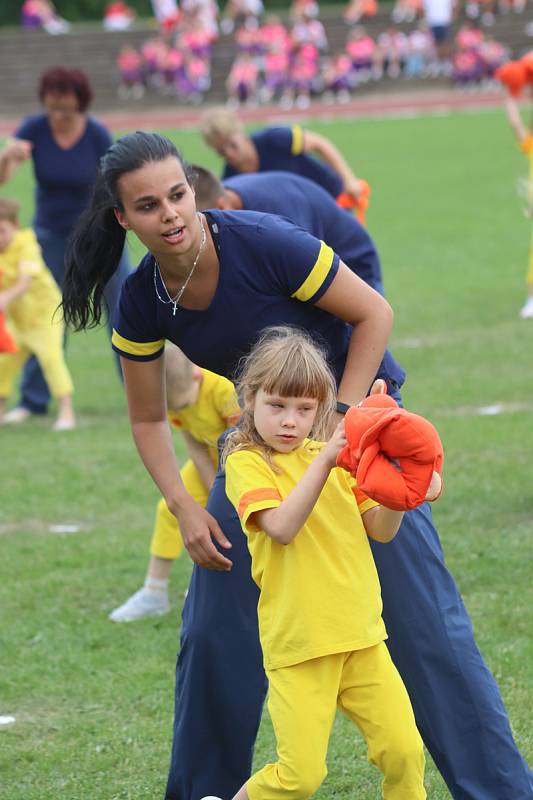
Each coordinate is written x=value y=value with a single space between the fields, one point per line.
x=220 y=683
x=34 y=391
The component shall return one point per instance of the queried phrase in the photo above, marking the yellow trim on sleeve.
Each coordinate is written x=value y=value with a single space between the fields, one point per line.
x=136 y=348
x=297 y=140
x=317 y=276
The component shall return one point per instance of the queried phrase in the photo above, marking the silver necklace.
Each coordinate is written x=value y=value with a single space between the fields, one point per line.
x=157 y=271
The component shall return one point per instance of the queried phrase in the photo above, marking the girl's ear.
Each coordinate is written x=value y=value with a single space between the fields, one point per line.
x=121 y=219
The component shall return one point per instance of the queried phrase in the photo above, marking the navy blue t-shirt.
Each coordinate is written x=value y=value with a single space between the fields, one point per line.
x=313 y=209
x=309 y=206
x=271 y=273
x=282 y=149
x=64 y=177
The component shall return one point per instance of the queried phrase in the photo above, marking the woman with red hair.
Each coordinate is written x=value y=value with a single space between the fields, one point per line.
x=65 y=145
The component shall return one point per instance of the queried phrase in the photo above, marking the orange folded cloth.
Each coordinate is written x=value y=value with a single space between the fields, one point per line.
x=392 y=453
x=513 y=75
x=7 y=343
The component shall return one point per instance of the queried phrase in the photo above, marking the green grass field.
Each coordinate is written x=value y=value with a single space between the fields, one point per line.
x=93 y=700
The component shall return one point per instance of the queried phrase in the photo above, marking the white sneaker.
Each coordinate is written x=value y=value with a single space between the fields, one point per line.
x=526 y=312
x=16 y=415
x=144 y=603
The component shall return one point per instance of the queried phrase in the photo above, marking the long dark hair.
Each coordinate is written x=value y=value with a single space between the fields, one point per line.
x=96 y=245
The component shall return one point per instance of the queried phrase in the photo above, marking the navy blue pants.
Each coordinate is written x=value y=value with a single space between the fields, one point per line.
x=221 y=685
x=34 y=391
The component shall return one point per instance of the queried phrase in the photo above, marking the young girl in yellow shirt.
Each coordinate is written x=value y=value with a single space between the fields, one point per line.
x=29 y=297
x=320 y=603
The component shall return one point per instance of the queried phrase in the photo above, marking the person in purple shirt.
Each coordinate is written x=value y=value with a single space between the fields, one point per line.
x=65 y=145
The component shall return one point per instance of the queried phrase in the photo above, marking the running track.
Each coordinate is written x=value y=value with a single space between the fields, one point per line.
x=378 y=105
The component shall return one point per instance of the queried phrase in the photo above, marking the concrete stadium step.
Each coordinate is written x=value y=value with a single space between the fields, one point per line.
x=25 y=54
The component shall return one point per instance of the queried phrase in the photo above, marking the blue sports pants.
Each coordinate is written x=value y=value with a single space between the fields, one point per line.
x=220 y=683
x=34 y=391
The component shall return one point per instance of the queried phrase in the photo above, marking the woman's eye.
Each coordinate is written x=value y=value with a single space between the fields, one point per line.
x=177 y=195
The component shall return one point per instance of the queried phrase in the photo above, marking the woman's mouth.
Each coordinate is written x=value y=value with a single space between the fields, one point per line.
x=174 y=236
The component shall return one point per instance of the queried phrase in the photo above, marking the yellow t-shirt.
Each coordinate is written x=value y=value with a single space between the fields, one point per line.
x=215 y=409
x=37 y=306
x=320 y=594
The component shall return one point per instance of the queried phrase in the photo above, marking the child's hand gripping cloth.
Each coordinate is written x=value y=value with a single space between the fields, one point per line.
x=394 y=455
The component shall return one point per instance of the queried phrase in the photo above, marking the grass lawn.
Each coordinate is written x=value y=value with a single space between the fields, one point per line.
x=93 y=700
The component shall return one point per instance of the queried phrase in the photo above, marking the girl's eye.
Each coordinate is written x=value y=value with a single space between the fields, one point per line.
x=147 y=207
x=178 y=195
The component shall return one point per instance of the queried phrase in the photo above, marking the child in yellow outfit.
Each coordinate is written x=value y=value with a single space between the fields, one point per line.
x=320 y=603
x=201 y=405
x=29 y=297
x=525 y=142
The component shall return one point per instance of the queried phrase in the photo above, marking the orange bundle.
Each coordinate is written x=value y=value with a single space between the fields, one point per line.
x=513 y=75
x=7 y=343
x=527 y=61
x=358 y=205
x=392 y=453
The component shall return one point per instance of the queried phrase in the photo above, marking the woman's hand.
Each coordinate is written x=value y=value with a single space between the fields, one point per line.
x=18 y=149
x=198 y=529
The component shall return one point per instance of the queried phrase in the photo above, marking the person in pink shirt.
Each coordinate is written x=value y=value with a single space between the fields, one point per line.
x=130 y=65
x=197 y=78
x=362 y=50
x=336 y=75
x=276 y=68
x=469 y=36
x=242 y=81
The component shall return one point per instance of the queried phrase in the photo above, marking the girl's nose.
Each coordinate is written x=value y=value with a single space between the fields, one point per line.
x=168 y=212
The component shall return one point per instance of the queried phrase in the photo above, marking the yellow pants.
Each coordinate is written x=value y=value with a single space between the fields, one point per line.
x=46 y=344
x=166 y=538
x=302 y=703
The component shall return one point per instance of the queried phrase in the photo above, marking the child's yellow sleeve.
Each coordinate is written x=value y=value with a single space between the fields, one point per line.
x=227 y=403
x=250 y=486
x=29 y=253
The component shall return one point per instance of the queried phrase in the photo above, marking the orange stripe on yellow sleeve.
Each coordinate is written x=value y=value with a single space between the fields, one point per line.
x=256 y=496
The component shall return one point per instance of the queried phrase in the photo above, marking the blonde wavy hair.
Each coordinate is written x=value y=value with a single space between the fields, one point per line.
x=219 y=122
x=287 y=362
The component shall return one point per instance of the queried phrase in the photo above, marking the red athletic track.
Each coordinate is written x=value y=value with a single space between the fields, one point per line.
x=440 y=101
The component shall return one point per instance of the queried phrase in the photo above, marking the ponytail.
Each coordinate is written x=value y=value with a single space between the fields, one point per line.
x=93 y=254
x=95 y=248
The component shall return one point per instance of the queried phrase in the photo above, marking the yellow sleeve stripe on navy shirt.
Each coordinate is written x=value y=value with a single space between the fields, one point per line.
x=317 y=276
x=297 y=140
x=136 y=348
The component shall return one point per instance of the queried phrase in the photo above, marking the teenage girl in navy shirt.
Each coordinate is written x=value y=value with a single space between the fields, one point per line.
x=210 y=283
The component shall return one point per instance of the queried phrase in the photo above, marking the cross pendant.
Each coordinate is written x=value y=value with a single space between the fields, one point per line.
x=174 y=309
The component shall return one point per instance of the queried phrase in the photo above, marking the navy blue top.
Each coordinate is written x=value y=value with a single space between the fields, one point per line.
x=271 y=273
x=282 y=149
x=64 y=177
x=314 y=210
